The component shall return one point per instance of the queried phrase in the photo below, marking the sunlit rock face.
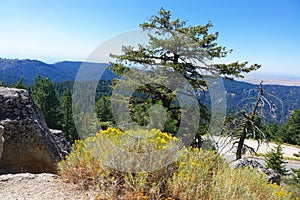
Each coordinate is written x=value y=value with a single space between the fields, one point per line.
x=29 y=145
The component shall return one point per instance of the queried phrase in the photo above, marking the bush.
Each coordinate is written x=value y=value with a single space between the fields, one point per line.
x=292 y=183
x=196 y=174
x=274 y=160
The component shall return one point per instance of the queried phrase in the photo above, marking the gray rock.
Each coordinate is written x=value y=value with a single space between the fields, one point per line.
x=1 y=140
x=29 y=144
x=24 y=176
x=61 y=141
x=273 y=177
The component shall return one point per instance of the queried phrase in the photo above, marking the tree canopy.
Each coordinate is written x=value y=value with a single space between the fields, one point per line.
x=45 y=96
x=20 y=84
x=67 y=121
x=179 y=45
x=291 y=130
x=175 y=45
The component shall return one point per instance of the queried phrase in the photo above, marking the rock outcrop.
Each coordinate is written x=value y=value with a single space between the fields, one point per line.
x=61 y=141
x=273 y=177
x=29 y=144
x=1 y=140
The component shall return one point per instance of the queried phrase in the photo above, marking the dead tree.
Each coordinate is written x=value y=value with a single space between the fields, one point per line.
x=249 y=125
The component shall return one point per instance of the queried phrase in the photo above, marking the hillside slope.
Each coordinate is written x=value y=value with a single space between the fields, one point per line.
x=280 y=100
x=11 y=70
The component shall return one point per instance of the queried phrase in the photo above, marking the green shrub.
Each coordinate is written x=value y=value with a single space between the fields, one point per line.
x=196 y=174
x=274 y=160
x=292 y=183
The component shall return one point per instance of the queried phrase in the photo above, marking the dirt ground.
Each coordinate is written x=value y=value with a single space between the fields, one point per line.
x=38 y=187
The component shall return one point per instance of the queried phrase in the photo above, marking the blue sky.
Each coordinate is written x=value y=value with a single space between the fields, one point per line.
x=261 y=31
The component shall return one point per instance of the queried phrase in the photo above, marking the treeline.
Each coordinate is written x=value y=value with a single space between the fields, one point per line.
x=55 y=102
x=288 y=132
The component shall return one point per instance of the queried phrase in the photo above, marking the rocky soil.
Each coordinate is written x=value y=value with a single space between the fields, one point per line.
x=26 y=186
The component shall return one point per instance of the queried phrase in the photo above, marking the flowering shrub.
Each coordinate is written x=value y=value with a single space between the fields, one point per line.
x=87 y=165
x=281 y=192
x=196 y=174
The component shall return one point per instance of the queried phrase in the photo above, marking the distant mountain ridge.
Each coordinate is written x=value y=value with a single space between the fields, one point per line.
x=271 y=79
x=11 y=70
x=280 y=101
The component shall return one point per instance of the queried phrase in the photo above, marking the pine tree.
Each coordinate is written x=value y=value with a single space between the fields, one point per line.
x=3 y=84
x=45 y=96
x=272 y=131
x=67 y=122
x=103 y=109
x=274 y=160
x=296 y=173
x=20 y=84
x=291 y=130
x=177 y=50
